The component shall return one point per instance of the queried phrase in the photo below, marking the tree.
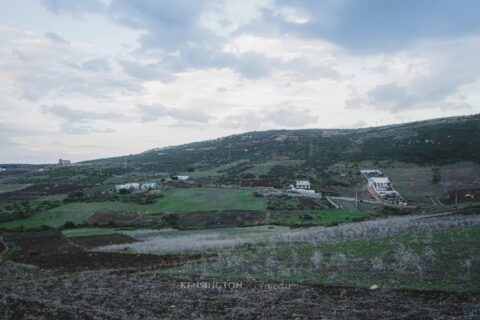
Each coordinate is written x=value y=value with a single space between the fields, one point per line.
x=316 y=259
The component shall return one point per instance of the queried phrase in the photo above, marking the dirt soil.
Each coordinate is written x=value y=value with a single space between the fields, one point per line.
x=216 y=219
x=308 y=203
x=42 y=189
x=89 y=242
x=50 y=250
x=15 y=172
x=260 y=182
x=156 y=296
x=463 y=195
x=119 y=218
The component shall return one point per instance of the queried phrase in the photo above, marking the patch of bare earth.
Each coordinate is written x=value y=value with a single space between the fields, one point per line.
x=149 y=296
x=50 y=250
x=216 y=219
x=90 y=242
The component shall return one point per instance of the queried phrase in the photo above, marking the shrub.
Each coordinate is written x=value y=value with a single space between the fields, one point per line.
x=68 y=225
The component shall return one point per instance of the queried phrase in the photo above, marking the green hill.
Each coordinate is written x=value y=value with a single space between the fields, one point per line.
x=438 y=141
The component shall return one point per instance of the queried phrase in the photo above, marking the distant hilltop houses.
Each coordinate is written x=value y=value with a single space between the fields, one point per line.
x=134 y=186
x=181 y=178
x=380 y=187
x=62 y=162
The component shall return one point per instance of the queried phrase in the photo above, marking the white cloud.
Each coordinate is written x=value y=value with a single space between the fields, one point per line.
x=217 y=68
x=153 y=112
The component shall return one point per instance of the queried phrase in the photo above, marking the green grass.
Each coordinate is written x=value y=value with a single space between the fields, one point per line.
x=175 y=200
x=216 y=171
x=266 y=167
x=82 y=232
x=206 y=199
x=4 y=187
x=440 y=260
x=315 y=217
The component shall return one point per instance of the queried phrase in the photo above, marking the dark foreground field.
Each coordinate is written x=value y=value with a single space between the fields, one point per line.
x=125 y=295
x=45 y=275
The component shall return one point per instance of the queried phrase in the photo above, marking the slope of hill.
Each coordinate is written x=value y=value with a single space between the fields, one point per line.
x=437 y=141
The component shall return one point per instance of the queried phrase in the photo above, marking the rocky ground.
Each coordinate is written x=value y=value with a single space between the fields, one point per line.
x=130 y=295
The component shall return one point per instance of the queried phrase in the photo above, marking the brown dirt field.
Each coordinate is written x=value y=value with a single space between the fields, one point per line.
x=133 y=296
x=121 y=218
x=180 y=184
x=217 y=219
x=30 y=244
x=50 y=250
x=10 y=173
x=42 y=189
x=72 y=262
x=463 y=195
x=102 y=240
x=308 y=203
x=260 y=182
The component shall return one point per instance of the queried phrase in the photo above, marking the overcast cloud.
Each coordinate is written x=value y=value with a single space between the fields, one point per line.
x=136 y=75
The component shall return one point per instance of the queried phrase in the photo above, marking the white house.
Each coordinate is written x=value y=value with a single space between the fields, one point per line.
x=302 y=188
x=149 y=186
x=302 y=184
x=183 y=178
x=372 y=172
x=380 y=184
x=127 y=186
x=2 y=169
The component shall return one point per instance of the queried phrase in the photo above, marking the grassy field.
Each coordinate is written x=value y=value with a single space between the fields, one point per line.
x=264 y=168
x=82 y=232
x=206 y=199
x=7 y=187
x=174 y=200
x=414 y=182
x=215 y=172
x=314 y=217
x=439 y=260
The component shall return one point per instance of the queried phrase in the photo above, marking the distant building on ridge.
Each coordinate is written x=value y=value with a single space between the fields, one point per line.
x=62 y=162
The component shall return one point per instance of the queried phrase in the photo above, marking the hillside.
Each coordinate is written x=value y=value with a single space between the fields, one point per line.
x=438 y=141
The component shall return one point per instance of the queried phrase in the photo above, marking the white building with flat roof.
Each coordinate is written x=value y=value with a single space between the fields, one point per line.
x=127 y=186
x=149 y=186
x=303 y=184
x=380 y=184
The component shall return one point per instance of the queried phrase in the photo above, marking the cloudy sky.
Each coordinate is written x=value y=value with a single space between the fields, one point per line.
x=97 y=78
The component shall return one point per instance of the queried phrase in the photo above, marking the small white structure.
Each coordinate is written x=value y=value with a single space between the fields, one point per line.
x=380 y=184
x=183 y=178
x=62 y=162
x=302 y=184
x=268 y=191
x=382 y=187
x=302 y=188
x=372 y=172
x=149 y=186
x=127 y=186
x=2 y=169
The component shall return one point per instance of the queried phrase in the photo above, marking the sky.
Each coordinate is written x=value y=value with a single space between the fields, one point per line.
x=91 y=79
